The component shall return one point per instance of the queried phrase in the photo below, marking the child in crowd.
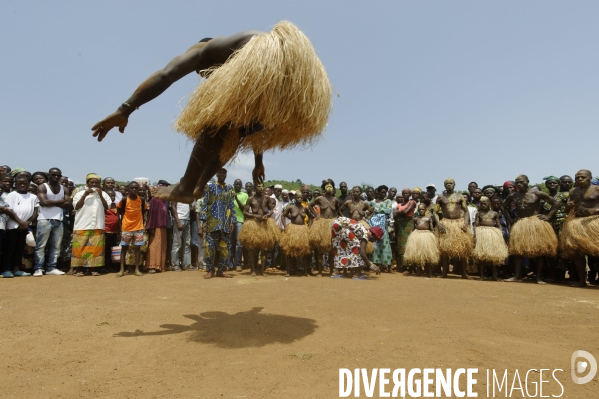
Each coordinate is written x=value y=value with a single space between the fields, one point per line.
x=490 y=246
x=422 y=248
x=131 y=208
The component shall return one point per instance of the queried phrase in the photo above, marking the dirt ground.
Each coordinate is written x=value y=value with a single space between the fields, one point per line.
x=175 y=335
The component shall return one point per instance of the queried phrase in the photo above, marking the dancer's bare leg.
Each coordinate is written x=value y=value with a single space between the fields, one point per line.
x=517 y=270
x=203 y=154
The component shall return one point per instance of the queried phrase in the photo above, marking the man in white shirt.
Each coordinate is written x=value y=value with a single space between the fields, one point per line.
x=25 y=208
x=53 y=199
x=432 y=193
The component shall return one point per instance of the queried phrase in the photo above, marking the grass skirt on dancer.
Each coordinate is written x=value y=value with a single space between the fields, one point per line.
x=490 y=246
x=295 y=241
x=275 y=80
x=369 y=245
x=421 y=249
x=580 y=236
x=532 y=237
x=455 y=242
x=259 y=234
x=320 y=235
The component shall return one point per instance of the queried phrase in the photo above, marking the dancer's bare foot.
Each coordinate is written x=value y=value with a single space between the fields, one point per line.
x=513 y=280
x=208 y=275
x=253 y=274
x=173 y=193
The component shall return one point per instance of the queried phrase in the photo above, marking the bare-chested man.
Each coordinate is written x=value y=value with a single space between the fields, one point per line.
x=531 y=236
x=320 y=231
x=257 y=233
x=295 y=241
x=455 y=238
x=344 y=197
x=490 y=249
x=580 y=235
x=228 y=125
x=357 y=209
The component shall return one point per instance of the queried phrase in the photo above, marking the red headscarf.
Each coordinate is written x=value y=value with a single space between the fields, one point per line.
x=377 y=232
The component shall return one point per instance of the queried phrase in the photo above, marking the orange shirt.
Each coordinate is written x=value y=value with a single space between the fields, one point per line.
x=132 y=218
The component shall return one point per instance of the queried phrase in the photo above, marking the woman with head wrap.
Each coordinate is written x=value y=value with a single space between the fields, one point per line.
x=88 y=231
x=382 y=212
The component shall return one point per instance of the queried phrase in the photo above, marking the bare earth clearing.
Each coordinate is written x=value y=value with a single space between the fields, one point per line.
x=177 y=335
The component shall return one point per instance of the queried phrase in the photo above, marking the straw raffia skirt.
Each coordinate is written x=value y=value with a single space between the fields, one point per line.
x=320 y=235
x=295 y=240
x=370 y=244
x=490 y=246
x=421 y=249
x=275 y=81
x=532 y=237
x=261 y=234
x=580 y=236
x=455 y=242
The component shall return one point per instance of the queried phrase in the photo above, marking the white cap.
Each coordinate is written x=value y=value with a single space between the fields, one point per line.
x=278 y=186
x=285 y=191
x=292 y=192
x=431 y=185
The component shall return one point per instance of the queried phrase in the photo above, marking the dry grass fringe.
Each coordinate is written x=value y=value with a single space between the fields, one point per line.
x=295 y=241
x=421 y=249
x=580 y=236
x=276 y=80
x=531 y=237
x=320 y=235
x=369 y=244
x=490 y=246
x=256 y=234
x=455 y=242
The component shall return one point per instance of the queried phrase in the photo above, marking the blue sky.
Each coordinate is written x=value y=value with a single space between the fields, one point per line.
x=472 y=90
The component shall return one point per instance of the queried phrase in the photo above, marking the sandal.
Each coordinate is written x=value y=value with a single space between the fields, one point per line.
x=151 y=271
x=224 y=275
x=95 y=274
x=362 y=277
x=79 y=274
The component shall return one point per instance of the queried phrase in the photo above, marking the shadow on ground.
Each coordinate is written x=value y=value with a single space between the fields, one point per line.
x=239 y=330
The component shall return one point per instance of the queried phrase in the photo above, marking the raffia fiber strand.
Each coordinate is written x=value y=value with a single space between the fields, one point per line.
x=320 y=234
x=580 y=236
x=295 y=241
x=455 y=242
x=276 y=80
x=369 y=245
x=490 y=246
x=256 y=234
x=531 y=237
x=421 y=249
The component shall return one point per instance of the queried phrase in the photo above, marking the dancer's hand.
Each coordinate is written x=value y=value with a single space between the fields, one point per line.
x=115 y=119
x=543 y=218
x=258 y=173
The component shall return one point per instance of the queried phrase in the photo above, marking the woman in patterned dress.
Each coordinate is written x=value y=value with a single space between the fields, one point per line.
x=349 y=239
x=382 y=254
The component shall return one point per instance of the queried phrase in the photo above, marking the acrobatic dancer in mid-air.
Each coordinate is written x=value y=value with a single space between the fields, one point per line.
x=264 y=91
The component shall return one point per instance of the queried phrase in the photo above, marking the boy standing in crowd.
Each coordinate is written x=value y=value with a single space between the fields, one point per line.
x=131 y=209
